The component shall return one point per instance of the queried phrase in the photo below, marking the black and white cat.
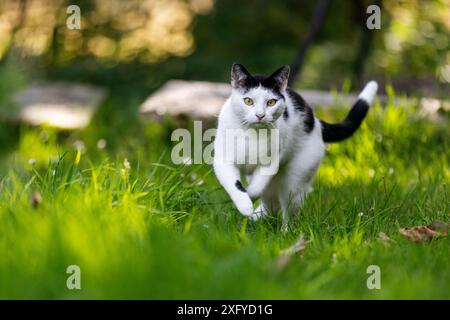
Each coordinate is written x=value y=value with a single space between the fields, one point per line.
x=266 y=103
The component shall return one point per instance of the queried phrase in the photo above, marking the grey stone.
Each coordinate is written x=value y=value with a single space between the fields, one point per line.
x=62 y=105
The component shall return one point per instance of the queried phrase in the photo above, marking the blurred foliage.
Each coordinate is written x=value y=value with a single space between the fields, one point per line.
x=417 y=39
x=151 y=41
x=111 y=30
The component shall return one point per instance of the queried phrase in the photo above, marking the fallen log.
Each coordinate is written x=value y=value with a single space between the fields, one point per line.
x=62 y=105
x=201 y=100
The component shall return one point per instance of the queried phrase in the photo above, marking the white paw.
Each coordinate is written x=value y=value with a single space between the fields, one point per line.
x=245 y=206
x=255 y=216
x=258 y=214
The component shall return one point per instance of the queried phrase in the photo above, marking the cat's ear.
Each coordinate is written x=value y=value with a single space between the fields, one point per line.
x=281 y=76
x=239 y=75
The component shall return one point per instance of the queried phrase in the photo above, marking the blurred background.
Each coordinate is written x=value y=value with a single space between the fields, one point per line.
x=131 y=48
x=86 y=179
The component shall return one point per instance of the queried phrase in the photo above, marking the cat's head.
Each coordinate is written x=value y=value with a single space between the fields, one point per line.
x=258 y=100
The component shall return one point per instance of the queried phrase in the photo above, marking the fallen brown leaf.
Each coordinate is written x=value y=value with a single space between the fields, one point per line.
x=298 y=246
x=282 y=261
x=287 y=254
x=425 y=233
x=440 y=226
x=384 y=238
x=36 y=199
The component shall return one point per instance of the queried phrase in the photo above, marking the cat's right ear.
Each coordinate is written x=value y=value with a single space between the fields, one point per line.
x=281 y=76
x=239 y=76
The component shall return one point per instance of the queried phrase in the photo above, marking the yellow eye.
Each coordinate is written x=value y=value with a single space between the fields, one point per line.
x=271 y=102
x=248 y=101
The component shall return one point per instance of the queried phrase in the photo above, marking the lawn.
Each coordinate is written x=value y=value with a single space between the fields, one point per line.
x=140 y=227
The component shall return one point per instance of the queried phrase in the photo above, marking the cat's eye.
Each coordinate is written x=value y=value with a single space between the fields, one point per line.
x=248 y=101
x=271 y=102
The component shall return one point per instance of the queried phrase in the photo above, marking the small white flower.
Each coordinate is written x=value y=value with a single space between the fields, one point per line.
x=361 y=214
x=101 y=144
x=379 y=138
x=79 y=146
x=334 y=257
x=126 y=164
x=32 y=161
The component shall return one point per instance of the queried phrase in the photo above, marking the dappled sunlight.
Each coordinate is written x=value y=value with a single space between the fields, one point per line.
x=38 y=147
x=156 y=227
x=150 y=30
x=357 y=160
x=415 y=24
x=87 y=178
x=345 y=245
x=56 y=115
x=384 y=148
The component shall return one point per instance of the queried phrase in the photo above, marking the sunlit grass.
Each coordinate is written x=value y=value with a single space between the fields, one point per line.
x=140 y=227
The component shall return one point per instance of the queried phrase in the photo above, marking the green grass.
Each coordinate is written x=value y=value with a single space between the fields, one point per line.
x=154 y=230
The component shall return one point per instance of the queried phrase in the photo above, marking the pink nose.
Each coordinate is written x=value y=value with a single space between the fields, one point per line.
x=260 y=116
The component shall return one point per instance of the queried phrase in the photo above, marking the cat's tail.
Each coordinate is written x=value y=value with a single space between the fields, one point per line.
x=345 y=129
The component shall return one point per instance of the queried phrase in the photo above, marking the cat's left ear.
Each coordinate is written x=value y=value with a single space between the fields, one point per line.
x=239 y=75
x=281 y=76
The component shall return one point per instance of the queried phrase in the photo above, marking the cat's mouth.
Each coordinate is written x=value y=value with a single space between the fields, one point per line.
x=260 y=124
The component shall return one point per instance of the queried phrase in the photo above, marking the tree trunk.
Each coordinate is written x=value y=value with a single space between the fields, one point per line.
x=316 y=23
x=365 y=44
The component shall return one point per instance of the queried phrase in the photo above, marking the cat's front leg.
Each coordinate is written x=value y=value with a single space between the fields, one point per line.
x=258 y=183
x=229 y=177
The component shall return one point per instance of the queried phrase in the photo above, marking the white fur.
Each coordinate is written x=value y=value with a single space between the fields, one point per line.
x=369 y=91
x=300 y=153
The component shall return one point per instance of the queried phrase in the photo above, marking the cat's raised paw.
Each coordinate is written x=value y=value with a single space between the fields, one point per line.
x=258 y=214
x=245 y=207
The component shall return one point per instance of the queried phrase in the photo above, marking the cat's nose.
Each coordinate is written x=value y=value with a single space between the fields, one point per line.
x=260 y=116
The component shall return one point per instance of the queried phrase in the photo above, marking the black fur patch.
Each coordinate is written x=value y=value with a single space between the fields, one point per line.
x=301 y=106
x=309 y=119
x=246 y=82
x=299 y=102
x=242 y=79
x=285 y=113
x=263 y=81
x=239 y=186
x=339 y=131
